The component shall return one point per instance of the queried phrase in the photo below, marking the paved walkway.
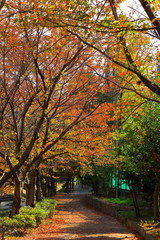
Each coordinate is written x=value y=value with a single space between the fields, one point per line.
x=75 y=220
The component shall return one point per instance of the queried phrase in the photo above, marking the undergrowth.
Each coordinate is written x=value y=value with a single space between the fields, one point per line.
x=27 y=218
x=123 y=201
x=146 y=215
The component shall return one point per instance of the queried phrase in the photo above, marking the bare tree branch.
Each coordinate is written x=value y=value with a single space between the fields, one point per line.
x=2 y=4
x=152 y=86
x=154 y=20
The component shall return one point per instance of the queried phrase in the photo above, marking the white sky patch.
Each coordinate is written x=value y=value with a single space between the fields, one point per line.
x=133 y=9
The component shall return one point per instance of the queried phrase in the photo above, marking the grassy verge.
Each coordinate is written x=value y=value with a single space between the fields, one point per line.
x=146 y=220
x=123 y=201
x=146 y=212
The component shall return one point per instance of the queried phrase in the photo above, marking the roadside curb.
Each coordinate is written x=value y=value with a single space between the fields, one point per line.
x=111 y=209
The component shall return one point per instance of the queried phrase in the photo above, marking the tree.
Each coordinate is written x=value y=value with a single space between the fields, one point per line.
x=47 y=86
x=57 y=57
x=139 y=149
x=111 y=33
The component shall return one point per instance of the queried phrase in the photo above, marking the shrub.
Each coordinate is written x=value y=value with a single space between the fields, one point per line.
x=38 y=213
x=8 y=226
x=47 y=205
x=4 y=213
x=25 y=221
x=27 y=218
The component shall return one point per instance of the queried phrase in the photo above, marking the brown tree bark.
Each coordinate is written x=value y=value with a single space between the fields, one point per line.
x=17 y=197
x=31 y=189
x=39 y=194
x=53 y=186
x=152 y=17
x=156 y=209
x=2 y=4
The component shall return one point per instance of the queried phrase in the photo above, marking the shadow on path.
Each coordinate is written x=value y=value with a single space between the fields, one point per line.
x=73 y=219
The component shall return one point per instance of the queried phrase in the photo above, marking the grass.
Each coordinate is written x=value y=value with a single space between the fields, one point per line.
x=123 y=201
x=146 y=212
x=146 y=219
x=129 y=214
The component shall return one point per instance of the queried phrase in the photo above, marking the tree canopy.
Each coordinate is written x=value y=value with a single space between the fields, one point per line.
x=72 y=74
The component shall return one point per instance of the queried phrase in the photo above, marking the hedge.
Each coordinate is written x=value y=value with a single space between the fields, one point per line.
x=28 y=217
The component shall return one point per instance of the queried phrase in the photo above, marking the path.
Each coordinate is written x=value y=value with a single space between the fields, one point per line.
x=74 y=220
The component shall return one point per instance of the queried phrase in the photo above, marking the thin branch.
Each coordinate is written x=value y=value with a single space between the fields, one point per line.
x=152 y=86
x=126 y=88
x=2 y=4
x=139 y=105
x=154 y=20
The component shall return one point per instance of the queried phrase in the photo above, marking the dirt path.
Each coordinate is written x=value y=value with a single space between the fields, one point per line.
x=74 y=220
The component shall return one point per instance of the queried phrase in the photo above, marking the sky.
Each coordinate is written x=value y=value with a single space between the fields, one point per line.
x=132 y=7
x=134 y=10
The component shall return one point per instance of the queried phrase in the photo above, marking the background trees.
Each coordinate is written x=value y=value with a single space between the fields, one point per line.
x=138 y=144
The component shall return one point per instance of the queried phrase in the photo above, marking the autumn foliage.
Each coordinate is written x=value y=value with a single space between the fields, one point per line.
x=71 y=74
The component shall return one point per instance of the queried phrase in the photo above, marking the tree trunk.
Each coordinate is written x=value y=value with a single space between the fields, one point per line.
x=118 y=188
x=48 y=187
x=17 y=197
x=156 y=210
x=134 y=198
x=82 y=183
x=44 y=186
x=67 y=185
x=53 y=186
x=136 y=207
x=95 y=186
x=31 y=189
x=72 y=183
x=39 y=194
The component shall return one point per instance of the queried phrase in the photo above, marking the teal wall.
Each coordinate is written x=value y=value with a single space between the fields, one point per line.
x=122 y=183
